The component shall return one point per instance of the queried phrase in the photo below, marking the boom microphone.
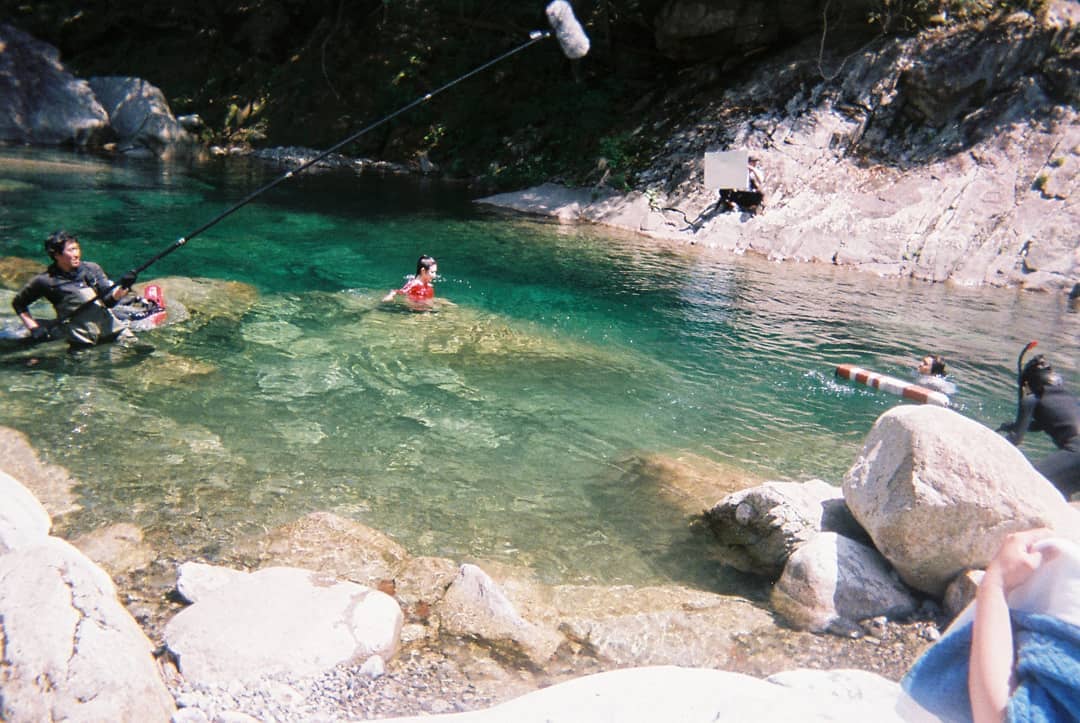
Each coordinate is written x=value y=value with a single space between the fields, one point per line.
x=572 y=38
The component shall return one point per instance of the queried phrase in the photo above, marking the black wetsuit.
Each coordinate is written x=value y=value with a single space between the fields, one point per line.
x=1057 y=413
x=67 y=292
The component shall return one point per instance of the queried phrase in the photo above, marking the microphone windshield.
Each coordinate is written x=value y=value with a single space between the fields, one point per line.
x=568 y=31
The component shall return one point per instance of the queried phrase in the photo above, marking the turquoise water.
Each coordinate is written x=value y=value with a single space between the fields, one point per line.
x=507 y=425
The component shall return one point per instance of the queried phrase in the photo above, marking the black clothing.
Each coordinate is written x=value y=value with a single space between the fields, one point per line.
x=1057 y=413
x=67 y=292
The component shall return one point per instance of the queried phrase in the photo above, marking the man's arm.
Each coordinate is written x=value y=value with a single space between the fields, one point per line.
x=28 y=295
x=1015 y=432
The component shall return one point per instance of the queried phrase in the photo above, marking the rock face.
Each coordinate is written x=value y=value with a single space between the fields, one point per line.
x=42 y=103
x=140 y=116
x=938 y=492
x=694 y=30
x=953 y=155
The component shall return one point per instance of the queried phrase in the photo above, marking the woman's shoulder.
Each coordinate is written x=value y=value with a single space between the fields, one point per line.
x=938 y=384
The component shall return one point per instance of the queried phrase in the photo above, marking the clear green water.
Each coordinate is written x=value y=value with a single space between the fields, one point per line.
x=504 y=426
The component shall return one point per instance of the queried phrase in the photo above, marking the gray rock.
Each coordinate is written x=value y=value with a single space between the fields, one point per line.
x=961 y=592
x=759 y=528
x=842 y=686
x=49 y=483
x=196 y=581
x=23 y=521
x=331 y=544
x=692 y=695
x=832 y=579
x=70 y=650
x=118 y=548
x=624 y=626
x=938 y=492
x=474 y=606
x=281 y=621
x=140 y=117
x=40 y=101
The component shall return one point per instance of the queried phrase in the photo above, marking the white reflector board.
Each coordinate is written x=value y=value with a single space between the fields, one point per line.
x=727 y=169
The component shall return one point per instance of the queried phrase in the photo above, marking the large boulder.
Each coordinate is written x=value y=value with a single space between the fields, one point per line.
x=696 y=695
x=69 y=649
x=759 y=528
x=40 y=101
x=938 y=492
x=281 y=620
x=475 y=607
x=140 y=117
x=831 y=583
x=23 y=521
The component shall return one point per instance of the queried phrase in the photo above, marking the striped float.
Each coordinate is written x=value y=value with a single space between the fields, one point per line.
x=907 y=390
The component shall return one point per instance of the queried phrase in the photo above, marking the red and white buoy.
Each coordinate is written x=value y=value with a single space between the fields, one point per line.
x=907 y=390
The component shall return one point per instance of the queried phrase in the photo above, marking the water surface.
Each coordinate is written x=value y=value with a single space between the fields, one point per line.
x=507 y=425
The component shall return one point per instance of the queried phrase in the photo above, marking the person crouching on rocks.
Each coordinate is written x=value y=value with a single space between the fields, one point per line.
x=1048 y=407
x=70 y=284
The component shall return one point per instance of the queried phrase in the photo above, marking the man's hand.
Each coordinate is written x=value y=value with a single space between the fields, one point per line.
x=39 y=333
x=1009 y=430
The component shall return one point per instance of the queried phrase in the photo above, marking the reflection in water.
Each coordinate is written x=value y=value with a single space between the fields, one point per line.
x=512 y=424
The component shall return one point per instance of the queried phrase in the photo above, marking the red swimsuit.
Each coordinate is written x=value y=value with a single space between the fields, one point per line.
x=416 y=289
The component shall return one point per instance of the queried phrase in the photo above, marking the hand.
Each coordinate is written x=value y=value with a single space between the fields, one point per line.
x=1018 y=558
x=1009 y=430
x=128 y=280
x=39 y=333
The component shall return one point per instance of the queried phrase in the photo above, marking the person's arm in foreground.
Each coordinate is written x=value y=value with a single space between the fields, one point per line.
x=990 y=674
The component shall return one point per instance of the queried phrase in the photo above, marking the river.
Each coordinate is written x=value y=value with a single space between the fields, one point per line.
x=509 y=424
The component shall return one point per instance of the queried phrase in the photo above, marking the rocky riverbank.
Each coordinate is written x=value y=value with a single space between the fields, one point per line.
x=950 y=156
x=325 y=618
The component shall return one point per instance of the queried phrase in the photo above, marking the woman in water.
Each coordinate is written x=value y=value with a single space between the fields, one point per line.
x=932 y=374
x=418 y=287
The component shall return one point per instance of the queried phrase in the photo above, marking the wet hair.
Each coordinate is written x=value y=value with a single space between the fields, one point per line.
x=937 y=365
x=1038 y=375
x=56 y=242
x=424 y=262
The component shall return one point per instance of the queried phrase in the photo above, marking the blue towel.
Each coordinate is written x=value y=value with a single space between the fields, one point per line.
x=1047 y=672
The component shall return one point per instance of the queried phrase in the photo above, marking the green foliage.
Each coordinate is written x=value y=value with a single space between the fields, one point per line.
x=311 y=72
x=913 y=15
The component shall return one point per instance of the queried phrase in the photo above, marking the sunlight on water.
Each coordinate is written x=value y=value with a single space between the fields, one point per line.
x=517 y=422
